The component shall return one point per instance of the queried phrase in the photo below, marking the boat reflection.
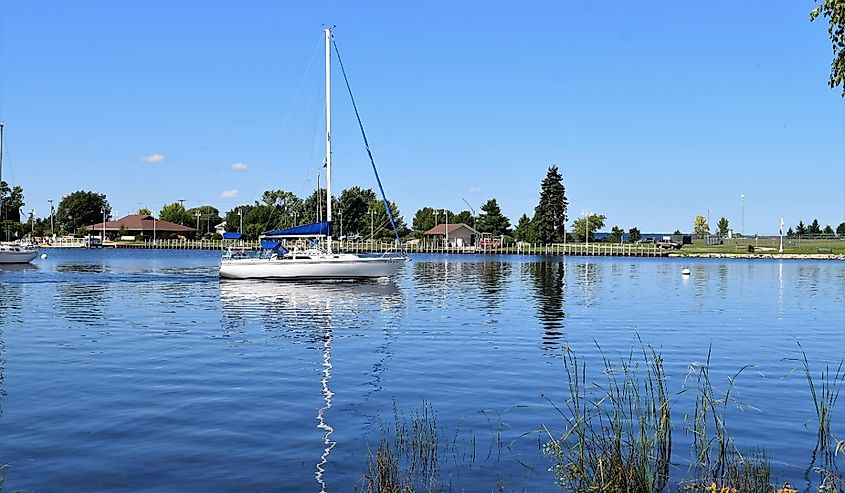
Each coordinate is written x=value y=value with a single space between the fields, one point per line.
x=309 y=311
x=17 y=268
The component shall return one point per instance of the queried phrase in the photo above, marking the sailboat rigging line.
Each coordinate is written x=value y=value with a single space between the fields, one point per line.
x=367 y=144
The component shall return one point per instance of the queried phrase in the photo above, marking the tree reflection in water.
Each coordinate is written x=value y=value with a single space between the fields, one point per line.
x=549 y=280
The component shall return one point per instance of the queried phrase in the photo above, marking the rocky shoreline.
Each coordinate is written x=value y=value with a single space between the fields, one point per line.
x=796 y=256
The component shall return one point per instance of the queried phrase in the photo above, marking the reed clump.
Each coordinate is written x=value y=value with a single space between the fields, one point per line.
x=407 y=457
x=618 y=435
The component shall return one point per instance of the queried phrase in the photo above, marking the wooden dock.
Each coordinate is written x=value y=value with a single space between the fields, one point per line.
x=573 y=249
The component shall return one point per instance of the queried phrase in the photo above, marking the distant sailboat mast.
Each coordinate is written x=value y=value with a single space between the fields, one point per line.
x=328 y=32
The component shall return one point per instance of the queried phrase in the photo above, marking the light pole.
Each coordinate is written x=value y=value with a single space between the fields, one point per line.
x=372 y=230
x=742 y=214
x=103 y=236
x=446 y=213
x=154 y=230
x=32 y=225
x=198 y=222
x=52 y=231
x=241 y=219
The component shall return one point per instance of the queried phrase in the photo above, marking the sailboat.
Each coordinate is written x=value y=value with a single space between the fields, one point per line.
x=276 y=262
x=13 y=252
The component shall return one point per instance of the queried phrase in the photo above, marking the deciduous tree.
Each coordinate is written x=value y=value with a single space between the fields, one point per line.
x=81 y=209
x=834 y=11
x=840 y=230
x=354 y=206
x=176 y=214
x=634 y=234
x=586 y=227
x=700 y=226
x=616 y=234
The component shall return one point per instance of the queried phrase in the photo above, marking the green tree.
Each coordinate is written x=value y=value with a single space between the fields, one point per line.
x=840 y=230
x=550 y=214
x=381 y=222
x=834 y=11
x=700 y=226
x=801 y=229
x=790 y=233
x=143 y=211
x=314 y=208
x=423 y=219
x=465 y=217
x=175 y=213
x=12 y=202
x=616 y=234
x=354 y=207
x=206 y=217
x=257 y=218
x=491 y=219
x=524 y=230
x=586 y=227
x=634 y=234
x=815 y=228
x=828 y=230
x=723 y=226
x=81 y=209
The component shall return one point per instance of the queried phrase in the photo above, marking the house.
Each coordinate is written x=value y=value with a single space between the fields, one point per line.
x=140 y=225
x=458 y=234
x=220 y=228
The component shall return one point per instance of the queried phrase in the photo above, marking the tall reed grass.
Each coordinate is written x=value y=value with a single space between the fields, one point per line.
x=618 y=435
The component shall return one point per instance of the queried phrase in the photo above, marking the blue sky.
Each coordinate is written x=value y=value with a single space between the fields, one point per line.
x=655 y=111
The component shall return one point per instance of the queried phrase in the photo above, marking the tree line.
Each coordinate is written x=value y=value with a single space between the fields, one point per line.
x=357 y=212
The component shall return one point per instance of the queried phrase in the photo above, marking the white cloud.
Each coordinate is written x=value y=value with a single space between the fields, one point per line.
x=153 y=158
x=239 y=166
x=474 y=190
x=229 y=194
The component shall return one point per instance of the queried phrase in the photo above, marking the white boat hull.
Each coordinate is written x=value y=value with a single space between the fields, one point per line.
x=344 y=266
x=17 y=254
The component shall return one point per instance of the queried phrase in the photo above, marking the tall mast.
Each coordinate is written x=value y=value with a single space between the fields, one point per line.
x=328 y=32
x=1 y=169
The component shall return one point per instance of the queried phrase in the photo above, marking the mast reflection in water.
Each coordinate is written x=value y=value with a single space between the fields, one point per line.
x=306 y=312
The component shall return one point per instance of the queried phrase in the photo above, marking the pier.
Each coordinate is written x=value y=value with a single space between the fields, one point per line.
x=574 y=249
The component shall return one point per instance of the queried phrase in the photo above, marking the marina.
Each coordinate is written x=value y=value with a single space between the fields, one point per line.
x=144 y=357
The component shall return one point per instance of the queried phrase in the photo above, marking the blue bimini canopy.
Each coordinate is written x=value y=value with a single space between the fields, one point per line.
x=306 y=230
x=232 y=236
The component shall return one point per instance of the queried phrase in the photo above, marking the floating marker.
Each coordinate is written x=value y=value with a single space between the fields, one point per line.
x=685 y=272
x=43 y=256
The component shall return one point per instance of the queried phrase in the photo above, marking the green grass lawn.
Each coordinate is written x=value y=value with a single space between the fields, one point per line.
x=768 y=246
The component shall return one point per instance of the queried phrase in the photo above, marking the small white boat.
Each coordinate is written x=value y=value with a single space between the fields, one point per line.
x=13 y=252
x=276 y=262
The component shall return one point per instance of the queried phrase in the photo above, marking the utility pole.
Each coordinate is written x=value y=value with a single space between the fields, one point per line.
x=52 y=231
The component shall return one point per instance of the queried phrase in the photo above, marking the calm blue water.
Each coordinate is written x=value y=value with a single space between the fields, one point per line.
x=140 y=370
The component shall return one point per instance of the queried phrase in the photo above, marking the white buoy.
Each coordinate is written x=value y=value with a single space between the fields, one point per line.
x=685 y=272
x=43 y=256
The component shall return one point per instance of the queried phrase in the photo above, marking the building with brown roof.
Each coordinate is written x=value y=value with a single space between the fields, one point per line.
x=458 y=234
x=141 y=225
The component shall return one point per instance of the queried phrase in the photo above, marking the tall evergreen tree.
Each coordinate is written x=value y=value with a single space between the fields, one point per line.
x=815 y=228
x=801 y=230
x=550 y=214
x=840 y=230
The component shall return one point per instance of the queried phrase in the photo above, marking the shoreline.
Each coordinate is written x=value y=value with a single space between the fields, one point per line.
x=790 y=256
